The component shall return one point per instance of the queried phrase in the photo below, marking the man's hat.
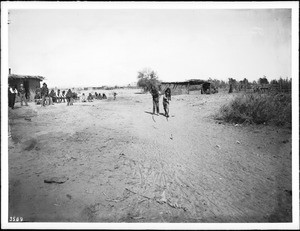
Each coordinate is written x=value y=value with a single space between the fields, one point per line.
x=44 y=84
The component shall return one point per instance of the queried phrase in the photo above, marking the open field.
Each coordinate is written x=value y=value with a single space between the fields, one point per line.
x=113 y=161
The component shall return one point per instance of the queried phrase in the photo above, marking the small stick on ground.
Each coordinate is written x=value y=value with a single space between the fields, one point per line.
x=113 y=200
x=153 y=118
x=138 y=194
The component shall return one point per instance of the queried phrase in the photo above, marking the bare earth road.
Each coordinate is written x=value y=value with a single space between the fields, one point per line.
x=113 y=161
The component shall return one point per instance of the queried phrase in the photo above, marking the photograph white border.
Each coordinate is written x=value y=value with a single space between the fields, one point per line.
x=6 y=6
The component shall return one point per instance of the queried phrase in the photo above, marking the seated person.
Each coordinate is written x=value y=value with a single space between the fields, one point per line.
x=75 y=96
x=37 y=93
x=83 y=98
x=99 y=96
x=38 y=96
x=53 y=96
x=58 y=96
x=104 y=96
x=63 y=96
x=90 y=97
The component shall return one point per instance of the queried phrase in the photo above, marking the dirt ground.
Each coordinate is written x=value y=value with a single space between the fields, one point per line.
x=113 y=161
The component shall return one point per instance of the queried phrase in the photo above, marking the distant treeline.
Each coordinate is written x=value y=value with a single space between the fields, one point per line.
x=283 y=83
x=261 y=85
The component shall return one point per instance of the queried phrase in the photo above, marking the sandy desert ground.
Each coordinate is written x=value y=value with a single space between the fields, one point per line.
x=113 y=161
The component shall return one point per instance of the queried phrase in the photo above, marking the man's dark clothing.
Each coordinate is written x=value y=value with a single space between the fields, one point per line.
x=155 y=97
x=44 y=93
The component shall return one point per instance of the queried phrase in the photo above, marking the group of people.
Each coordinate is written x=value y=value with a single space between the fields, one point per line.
x=42 y=96
x=13 y=92
x=91 y=97
x=166 y=100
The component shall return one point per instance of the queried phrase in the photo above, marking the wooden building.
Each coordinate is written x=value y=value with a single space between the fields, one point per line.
x=178 y=88
x=30 y=82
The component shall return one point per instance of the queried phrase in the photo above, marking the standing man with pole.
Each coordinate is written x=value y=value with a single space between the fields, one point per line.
x=155 y=98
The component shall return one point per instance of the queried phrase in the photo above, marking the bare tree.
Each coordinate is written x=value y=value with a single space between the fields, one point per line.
x=147 y=78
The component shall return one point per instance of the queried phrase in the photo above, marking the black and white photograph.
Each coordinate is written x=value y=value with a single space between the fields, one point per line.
x=150 y=115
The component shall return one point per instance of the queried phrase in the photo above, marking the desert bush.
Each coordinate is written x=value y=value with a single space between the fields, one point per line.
x=147 y=78
x=258 y=108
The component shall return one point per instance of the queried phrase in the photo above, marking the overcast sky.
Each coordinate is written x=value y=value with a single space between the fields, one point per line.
x=108 y=47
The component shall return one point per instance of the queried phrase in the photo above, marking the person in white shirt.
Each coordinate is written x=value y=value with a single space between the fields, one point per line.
x=12 y=92
x=83 y=97
x=59 y=96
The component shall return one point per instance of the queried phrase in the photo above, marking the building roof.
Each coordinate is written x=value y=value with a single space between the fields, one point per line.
x=188 y=82
x=14 y=76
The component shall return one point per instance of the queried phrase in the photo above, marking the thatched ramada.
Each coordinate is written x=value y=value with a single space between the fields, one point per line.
x=178 y=88
x=30 y=82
